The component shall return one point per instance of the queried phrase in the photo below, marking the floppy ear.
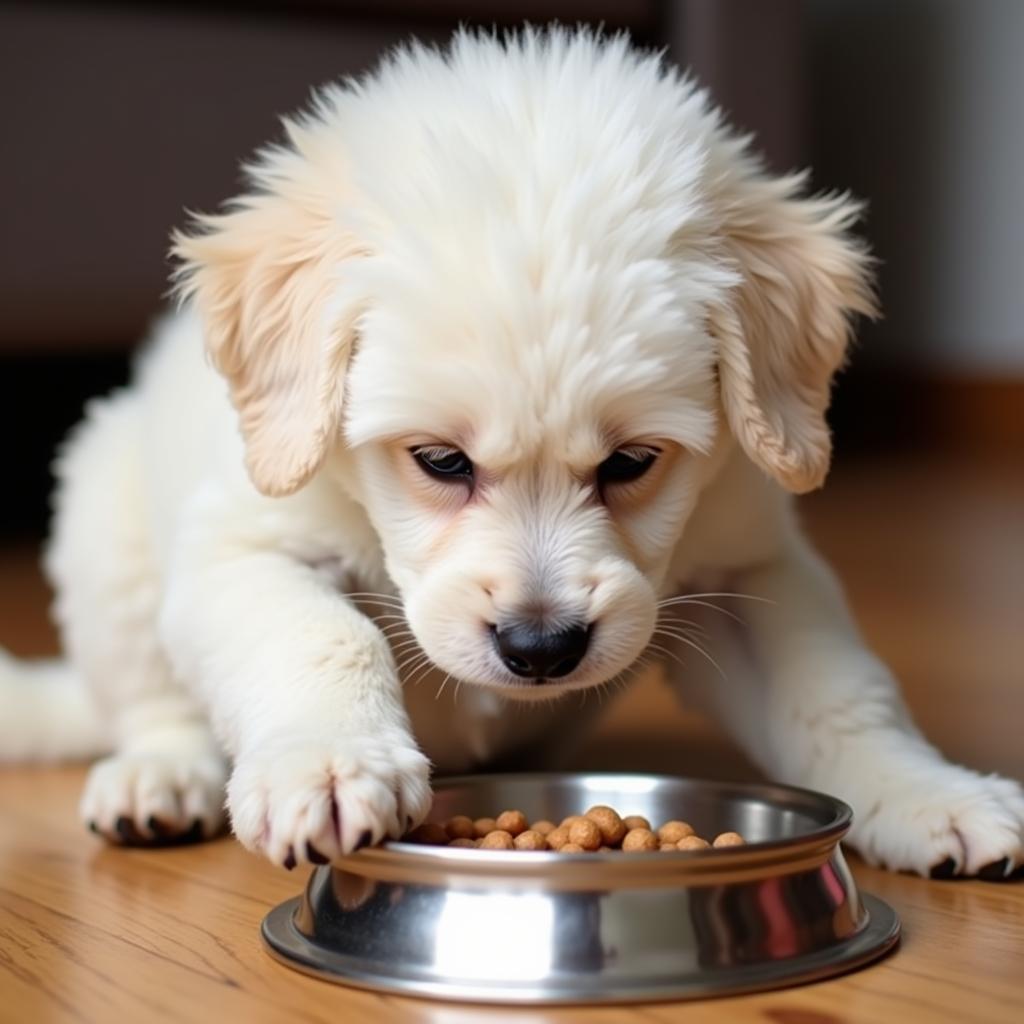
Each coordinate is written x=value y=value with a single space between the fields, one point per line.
x=265 y=277
x=784 y=329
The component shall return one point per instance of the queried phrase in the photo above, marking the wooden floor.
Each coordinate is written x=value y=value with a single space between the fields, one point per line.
x=933 y=555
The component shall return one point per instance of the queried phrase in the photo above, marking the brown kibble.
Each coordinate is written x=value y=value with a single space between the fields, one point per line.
x=512 y=822
x=600 y=829
x=584 y=833
x=633 y=821
x=429 y=834
x=673 y=831
x=640 y=839
x=557 y=837
x=613 y=830
x=729 y=839
x=499 y=839
x=530 y=840
x=459 y=827
x=692 y=843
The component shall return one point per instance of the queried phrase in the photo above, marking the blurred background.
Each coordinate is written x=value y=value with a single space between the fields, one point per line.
x=119 y=116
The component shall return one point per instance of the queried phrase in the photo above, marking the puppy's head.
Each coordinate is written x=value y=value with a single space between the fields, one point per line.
x=520 y=378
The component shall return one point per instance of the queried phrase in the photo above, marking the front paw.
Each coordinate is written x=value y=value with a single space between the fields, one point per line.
x=314 y=801
x=151 y=798
x=946 y=822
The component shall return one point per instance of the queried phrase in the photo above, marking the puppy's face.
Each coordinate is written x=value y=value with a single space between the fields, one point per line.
x=529 y=482
x=512 y=327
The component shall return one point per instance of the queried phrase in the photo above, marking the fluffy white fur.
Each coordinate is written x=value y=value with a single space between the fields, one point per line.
x=537 y=251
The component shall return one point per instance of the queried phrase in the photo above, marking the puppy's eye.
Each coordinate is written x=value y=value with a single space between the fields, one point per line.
x=443 y=462
x=626 y=465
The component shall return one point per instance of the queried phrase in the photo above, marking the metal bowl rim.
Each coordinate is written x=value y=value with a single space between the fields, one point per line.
x=394 y=854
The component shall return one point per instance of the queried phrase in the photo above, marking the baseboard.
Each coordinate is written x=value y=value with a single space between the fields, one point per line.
x=876 y=410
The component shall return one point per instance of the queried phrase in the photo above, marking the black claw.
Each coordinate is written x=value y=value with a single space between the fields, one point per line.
x=313 y=855
x=158 y=834
x=996 y=871
x=161 y=831
x=290 y=861
x=947 y=869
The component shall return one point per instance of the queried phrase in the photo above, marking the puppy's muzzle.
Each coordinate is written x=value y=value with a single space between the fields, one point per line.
x=534 y=653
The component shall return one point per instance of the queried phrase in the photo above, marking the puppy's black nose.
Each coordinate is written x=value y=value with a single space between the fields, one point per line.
x=535 y=654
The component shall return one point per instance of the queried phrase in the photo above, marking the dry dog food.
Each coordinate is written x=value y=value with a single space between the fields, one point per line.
x=600 y=829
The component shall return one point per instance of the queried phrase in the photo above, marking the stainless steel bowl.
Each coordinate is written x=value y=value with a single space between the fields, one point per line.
x=515 y=927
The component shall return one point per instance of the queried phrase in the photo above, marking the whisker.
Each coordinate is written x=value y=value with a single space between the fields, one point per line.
x=679 y=634
x=444 y=683
x=422 y=674
x=675 y=631
x=683 y=625
x=411 y=666
x=621 y=678
x=664 y=650
x=640 y=663
x=714 y=607
x=409 y=654
x=680 y=598
x=700 y=650
x=407 y=677
x=404 y=647
x=395 y=627
x=609 y=684
x=412 y=663
x=402 y=637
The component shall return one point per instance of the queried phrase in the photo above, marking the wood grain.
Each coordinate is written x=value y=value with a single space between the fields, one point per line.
x=933 y=555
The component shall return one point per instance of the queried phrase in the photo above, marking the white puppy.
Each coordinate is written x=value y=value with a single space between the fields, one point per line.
x=521 y=345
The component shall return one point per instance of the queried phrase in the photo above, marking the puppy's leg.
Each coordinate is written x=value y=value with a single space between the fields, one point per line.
x=166 y=779
x=301 y=688
x=814 y=707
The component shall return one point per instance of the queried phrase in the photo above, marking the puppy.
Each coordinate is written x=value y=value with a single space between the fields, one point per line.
x=501 y=373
